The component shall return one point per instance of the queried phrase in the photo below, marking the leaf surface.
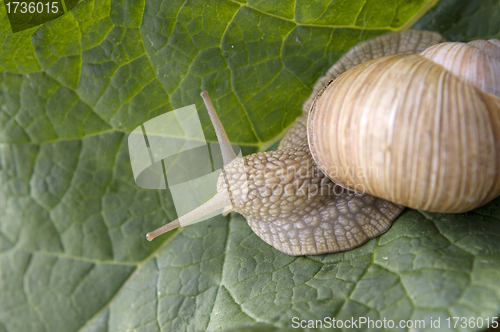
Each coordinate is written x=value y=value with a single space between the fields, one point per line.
x=73 y=255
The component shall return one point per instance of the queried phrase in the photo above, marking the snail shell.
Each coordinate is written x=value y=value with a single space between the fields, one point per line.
x=428 y=126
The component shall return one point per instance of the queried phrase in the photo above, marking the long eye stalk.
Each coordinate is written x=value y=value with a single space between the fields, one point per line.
x=228 y=154
x=221 y=199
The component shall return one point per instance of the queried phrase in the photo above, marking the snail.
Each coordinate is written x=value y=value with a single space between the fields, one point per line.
x=431 y=136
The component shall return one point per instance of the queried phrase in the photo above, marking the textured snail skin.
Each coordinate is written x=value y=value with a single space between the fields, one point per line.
x=290 y=204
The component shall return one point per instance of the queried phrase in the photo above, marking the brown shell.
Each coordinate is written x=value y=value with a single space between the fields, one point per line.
x=407 y=129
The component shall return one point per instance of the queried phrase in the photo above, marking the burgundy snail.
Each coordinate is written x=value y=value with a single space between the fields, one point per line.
x=423 y=114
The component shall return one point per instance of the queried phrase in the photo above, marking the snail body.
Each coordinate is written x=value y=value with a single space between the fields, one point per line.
x=289 y=203
x=292 y=199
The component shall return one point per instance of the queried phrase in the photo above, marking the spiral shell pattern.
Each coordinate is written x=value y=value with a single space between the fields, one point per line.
x=428 y=125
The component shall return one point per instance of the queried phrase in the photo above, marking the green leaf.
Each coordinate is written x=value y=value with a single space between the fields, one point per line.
x=73 y=255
